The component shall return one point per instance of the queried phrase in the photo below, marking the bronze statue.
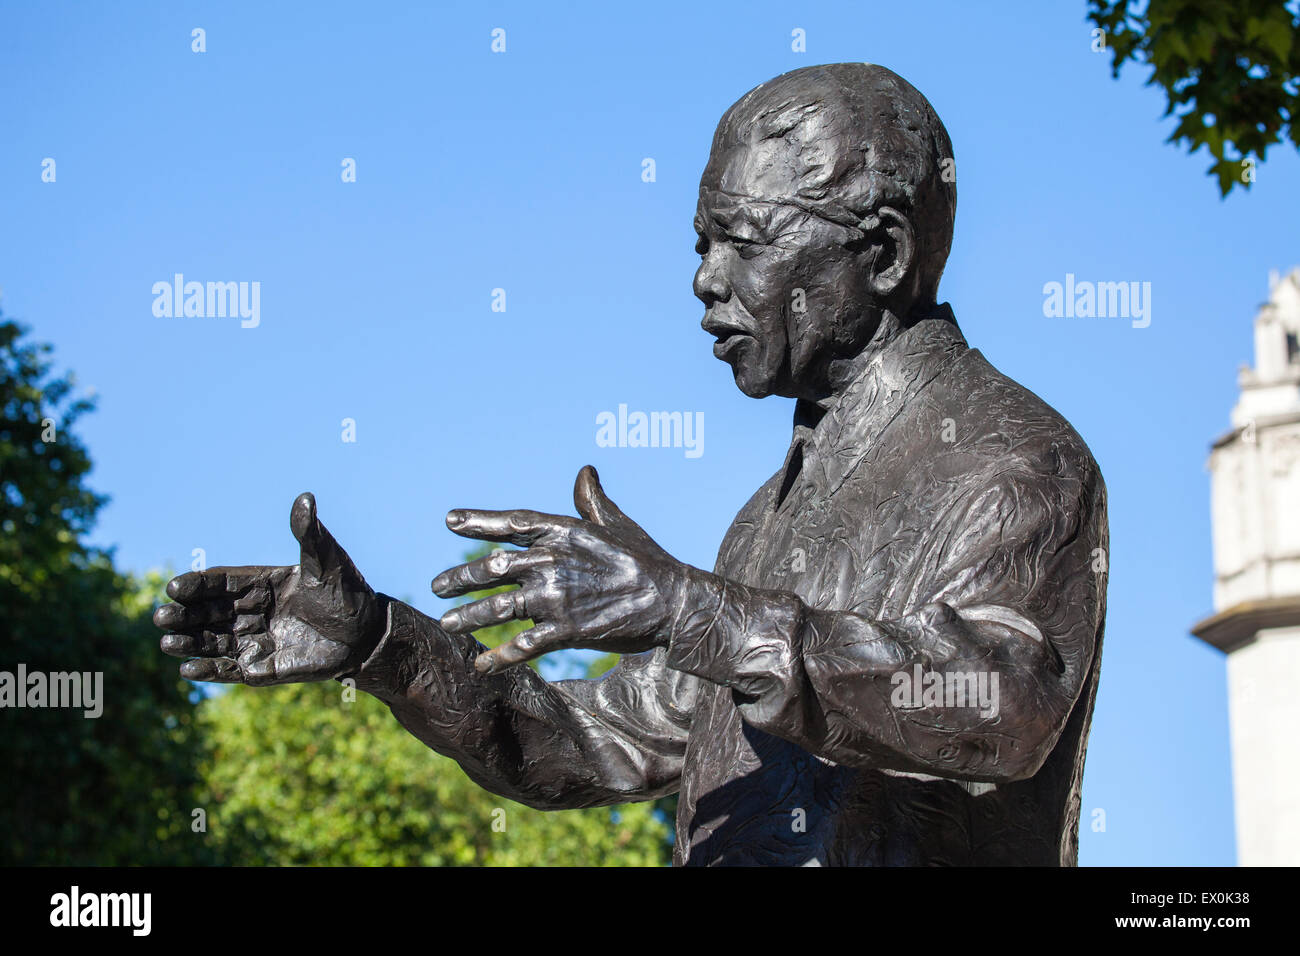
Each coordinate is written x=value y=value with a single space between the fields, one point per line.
x=895 y=658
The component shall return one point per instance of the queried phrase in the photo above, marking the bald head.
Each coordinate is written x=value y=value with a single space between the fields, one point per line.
x=842 y=140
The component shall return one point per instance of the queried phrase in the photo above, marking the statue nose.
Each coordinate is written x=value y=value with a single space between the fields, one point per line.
x=710 y=286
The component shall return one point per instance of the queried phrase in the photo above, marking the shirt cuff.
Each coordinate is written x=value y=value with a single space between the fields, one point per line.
x=747 y=639
x=412 y=643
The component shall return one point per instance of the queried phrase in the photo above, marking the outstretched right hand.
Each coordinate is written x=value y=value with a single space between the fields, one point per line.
x=274 y=625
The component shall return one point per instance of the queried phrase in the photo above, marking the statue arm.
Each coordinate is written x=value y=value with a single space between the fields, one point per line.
x=1006 y=597
x=550 y=745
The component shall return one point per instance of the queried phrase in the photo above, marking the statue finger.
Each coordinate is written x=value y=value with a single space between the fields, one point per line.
x=195 y=616
x=497 y=609
x=247 y=624
x=296 y=662
x=205 y=644
x=220 y=582
x=256 y=600
x=217 y=670
x=520 y=527
x=532 y=643
x=493 y=571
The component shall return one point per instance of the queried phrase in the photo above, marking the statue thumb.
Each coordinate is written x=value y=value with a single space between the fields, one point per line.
x=314 y=540
x=594 y=505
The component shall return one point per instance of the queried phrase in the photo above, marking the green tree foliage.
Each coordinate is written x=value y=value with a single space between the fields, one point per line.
x=1230 y=70
x=109 y=790
x=300 y=775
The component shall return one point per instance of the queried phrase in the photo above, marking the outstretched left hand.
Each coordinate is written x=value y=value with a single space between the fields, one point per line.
x=596 y=582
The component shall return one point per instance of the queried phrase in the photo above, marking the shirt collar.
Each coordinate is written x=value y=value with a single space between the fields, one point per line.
x=886 y=383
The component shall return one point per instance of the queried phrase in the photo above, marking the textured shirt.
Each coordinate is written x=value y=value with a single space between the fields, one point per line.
x=896 y=665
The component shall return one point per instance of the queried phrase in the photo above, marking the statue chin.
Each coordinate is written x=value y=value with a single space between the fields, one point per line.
x=752 y=385
x=752 y=389
x=754 y=381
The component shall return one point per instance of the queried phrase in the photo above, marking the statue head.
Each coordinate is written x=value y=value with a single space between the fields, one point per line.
x=824 y=222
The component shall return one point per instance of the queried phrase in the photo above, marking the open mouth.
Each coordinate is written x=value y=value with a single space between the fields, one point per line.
x=728 y=334
x=727 y=343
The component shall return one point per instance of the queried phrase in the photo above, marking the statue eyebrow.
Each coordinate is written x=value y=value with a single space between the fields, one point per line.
x=736 y=218
x=827 y=209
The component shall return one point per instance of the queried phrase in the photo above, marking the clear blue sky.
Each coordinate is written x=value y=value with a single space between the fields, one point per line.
x=522 y=171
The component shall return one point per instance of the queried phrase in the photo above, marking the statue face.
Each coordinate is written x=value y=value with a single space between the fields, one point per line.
x=786 y=291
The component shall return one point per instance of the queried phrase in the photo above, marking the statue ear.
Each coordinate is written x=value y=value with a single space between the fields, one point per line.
x=889 y=239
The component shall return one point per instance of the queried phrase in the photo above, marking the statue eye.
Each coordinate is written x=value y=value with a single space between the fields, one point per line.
x=702 y=243
x=745 y=248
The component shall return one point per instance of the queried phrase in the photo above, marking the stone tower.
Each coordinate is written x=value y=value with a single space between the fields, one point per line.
x=1255 y=510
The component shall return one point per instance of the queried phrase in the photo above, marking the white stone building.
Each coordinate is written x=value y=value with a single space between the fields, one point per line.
x=1255 y=509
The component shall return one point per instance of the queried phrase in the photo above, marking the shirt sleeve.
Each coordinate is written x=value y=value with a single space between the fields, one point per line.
x=976 y=675
x=550 y=745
